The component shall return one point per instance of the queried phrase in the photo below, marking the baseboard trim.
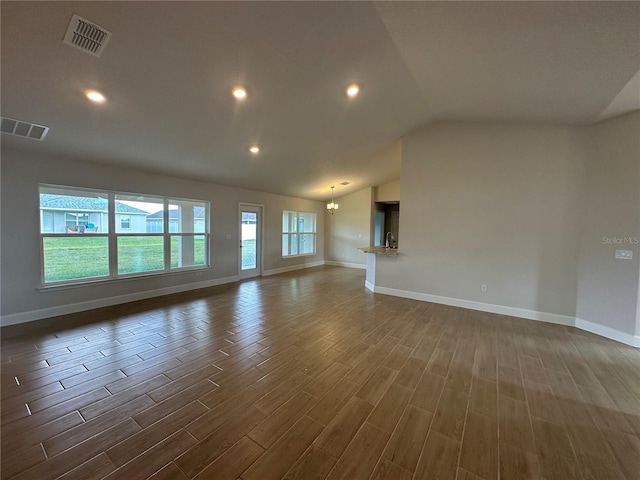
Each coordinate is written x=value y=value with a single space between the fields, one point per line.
x=601 y=330
x=30 y=316
x=345 y=264
x=608 y=332
x=292 y=268
x=484 y=307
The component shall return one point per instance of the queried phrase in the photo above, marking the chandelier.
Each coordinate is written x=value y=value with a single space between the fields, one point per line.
x=332 y=207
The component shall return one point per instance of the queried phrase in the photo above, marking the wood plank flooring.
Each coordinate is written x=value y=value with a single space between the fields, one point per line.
x=310 y=376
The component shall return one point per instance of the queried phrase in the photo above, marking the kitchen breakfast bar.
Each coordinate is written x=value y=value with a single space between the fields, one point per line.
x=372 y=253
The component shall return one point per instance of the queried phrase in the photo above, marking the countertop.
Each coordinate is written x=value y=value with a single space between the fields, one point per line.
x=377 y=250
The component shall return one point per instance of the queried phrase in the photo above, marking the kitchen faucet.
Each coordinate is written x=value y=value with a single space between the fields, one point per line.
x=392 y=239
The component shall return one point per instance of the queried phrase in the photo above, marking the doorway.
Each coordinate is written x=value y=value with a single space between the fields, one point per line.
x=250 y=255
x=386 y=223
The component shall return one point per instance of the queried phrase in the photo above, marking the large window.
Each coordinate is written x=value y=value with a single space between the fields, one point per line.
x=89 y=234
x=298 y=233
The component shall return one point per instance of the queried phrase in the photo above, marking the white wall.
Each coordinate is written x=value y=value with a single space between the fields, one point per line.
x=490 y=204
x=19 y=238
x=389 y=192
x=349 y=228
x=523 y=210
x=608 y=288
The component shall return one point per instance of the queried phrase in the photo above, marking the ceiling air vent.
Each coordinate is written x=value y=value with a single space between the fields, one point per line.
x=23 y=129
x=86 y=35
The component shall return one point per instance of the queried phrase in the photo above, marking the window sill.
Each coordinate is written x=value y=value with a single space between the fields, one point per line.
x=92 y=282
x=288 y=257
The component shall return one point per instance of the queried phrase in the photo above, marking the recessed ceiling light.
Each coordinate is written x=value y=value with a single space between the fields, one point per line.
x=352 y=90
x=95 y=96
x=239 y=93
x=254 y=149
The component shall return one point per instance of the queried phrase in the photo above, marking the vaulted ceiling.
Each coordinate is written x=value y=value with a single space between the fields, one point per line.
x=168 y=70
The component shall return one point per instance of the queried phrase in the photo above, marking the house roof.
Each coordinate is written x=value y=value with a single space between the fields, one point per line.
x=169 y=68
x=174 y=214
x=94 y=204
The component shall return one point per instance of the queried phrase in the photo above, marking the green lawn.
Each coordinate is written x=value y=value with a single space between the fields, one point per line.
x=249 y=254
x=70 y=258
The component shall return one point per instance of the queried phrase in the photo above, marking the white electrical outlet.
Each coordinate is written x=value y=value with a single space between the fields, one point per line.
x=624 y=254
x=483 y=288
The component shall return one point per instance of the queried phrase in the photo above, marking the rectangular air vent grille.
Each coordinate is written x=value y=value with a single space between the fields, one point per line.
x=86 y=35
x=23 y=129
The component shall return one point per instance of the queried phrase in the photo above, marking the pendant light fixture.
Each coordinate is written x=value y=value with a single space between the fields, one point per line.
x=332 y=207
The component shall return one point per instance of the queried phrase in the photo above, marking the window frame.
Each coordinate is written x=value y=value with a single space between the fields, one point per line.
x=112 y=236
x=300 y=234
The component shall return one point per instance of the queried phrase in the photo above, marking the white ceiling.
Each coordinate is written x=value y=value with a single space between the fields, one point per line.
x=169 y=68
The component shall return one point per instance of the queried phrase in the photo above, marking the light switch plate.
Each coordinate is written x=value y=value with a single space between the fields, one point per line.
x=624 y=254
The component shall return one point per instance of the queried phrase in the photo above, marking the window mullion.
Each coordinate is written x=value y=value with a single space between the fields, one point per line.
x=166 y=235
x=113 y=240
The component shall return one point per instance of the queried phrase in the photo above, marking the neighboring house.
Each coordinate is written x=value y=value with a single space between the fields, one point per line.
x=64 y=213
x=249 y=218
x=154 y=221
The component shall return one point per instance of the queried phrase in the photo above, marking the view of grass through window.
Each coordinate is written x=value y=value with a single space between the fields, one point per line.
x=69 y=258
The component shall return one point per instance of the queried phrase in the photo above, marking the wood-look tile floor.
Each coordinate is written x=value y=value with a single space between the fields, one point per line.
x=310 y=376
